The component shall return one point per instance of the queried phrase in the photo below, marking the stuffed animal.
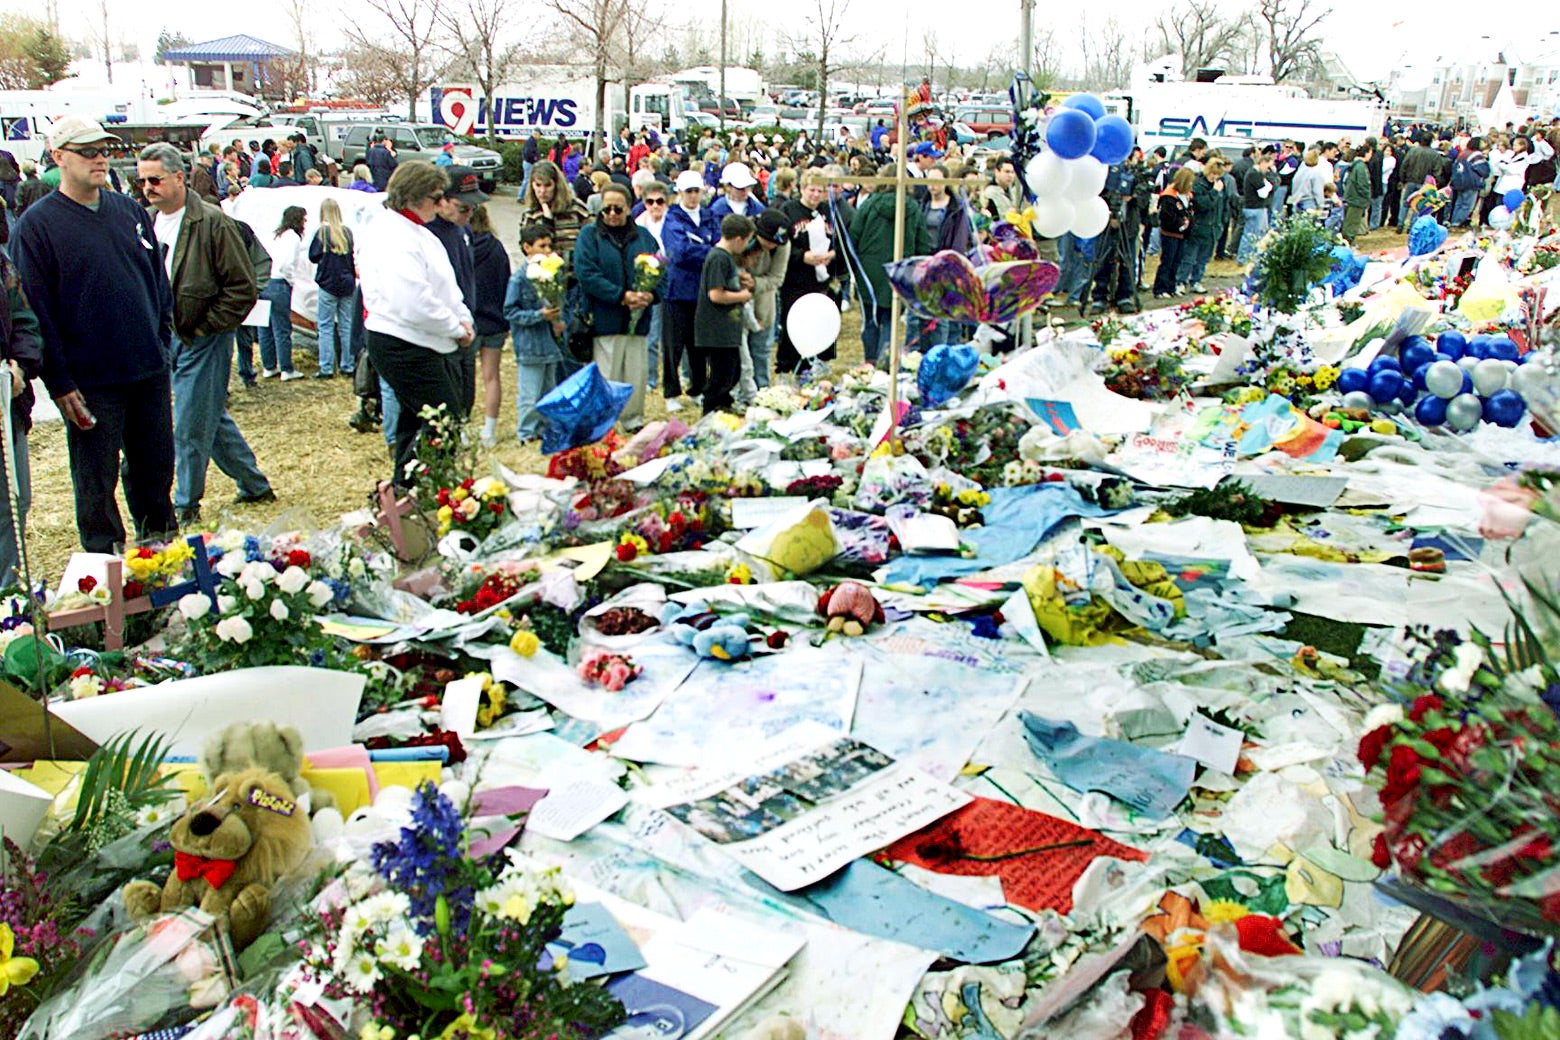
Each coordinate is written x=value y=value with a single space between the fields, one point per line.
x=229 y=849
x=850 y=608
x=709 y=634
x=263 y=745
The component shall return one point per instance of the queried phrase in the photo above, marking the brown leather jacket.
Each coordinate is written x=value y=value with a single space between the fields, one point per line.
x=213 y=278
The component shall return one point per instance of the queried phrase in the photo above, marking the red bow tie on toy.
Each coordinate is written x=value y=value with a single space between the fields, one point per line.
x=216 y=871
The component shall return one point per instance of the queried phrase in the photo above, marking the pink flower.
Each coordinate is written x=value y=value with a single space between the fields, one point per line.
x=1505 y=508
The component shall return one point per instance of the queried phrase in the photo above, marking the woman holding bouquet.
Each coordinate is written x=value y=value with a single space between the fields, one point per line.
x=619 y=273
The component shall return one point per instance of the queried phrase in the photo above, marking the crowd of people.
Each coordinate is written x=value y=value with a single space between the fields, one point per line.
x=418 y=305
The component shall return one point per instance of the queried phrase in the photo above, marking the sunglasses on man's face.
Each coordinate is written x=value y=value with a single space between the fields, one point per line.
x=657 y=201
x=613 y=209
x=153 y=181
x=86 y=153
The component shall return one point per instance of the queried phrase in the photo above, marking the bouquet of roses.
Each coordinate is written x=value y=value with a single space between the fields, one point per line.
x=545 y=273
x=648 y=271
x=476 y=506
x=1133 y=372
x=447 y=945
x=263 y=615
x=611 y=671
x=1218 y=314
x=1469 y=770
x=1542 y=258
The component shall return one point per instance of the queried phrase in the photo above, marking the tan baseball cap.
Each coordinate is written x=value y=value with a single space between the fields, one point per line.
x=74 y=130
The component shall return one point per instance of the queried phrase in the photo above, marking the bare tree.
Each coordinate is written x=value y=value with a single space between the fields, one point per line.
x=640 y=26
x=472 y=33
x=1107 y=57
x=594 y=24
x=1201 y=34
x=371 y=73
x=1293 y=48
x=823 y=37
x=305 y=72
x=414 y=39
x=104 y=38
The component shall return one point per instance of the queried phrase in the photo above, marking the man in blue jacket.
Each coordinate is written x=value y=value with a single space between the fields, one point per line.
x=89 y=262
x=605 y=258
x=452 y=227
x=691 y=229
x=381 y=162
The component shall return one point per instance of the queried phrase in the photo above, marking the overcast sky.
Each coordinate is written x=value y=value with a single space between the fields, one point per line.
x=1371 y=37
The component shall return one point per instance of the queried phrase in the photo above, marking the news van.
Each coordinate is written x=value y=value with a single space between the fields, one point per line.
x=1232 y=114
x=551 y=105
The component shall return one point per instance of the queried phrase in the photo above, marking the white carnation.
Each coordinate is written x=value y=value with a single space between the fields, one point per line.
x=293 y=580
x=279 y=610
x=320 y=594
x=194 y=606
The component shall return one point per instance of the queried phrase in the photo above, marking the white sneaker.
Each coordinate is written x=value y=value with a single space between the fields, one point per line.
x=288 y=377
x=269 y=373
x=674 y=405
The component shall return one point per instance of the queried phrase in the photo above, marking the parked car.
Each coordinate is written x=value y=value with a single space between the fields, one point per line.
x=423 y=141
x=984 y=119
x=764 y=115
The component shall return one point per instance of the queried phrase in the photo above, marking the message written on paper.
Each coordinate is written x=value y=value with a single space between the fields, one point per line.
x=801 y=820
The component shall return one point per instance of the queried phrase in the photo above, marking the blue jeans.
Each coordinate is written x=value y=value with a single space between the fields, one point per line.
x=334 y=318
x=1462 y=206
x=244 y=347
x=1256 y=225
x=1194 y=261
x=1280 y=197
x=653 y=345
x=525 y=180
x=276 y=338
x=203 y=431
x=1375 y=211
x=533 y=382
x=389 y=410
x=10 y=553
x=876 y=330
x=1075 y=265
x=761 y=346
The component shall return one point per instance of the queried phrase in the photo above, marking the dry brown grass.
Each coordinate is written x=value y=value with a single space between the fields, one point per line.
x=320 y=465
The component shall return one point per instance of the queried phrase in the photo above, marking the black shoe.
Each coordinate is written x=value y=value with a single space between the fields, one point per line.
x=187 y=518
x=259 y=498
x=324 y=375
x=250 y=384
x=1126 y=307
x=362 y=422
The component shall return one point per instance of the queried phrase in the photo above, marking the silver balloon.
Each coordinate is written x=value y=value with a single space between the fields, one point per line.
x=1444 y=379
x=1468 y=363
x=1538 y=381
x=1527 y=379
x=1463 y=412
x=1490 y=377
x=1391 y=406
x=1358 y=399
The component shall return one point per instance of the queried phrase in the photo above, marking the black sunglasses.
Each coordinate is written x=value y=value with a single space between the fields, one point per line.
x=153 y=181
x=613 y=209
x=86 y=153
x=657 y=201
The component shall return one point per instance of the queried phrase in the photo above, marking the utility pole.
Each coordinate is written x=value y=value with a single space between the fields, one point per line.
x=1026 y=35
x=720 y=102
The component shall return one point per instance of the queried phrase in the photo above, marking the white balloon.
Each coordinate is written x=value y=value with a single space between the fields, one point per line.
x=1489 y=377
x=1048 y=175
x=1527 y=379
x=1053 y=217
x=1501 y=218
x=1468 y=363
x=813 y=324
x=1444 y=379
x=1091 y=217
x=1088 y=178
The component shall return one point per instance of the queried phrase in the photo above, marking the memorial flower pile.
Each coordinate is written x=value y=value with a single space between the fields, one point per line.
x=475 y=506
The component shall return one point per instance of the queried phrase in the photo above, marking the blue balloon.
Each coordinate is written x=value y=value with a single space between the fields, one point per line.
x=1467 y=387
x=1504 y=408
x=1381 y=364
x=1513 y=199
x=1503 y=348
x=1419 y=374
x=1385 y=385
x=1479 y=347
x=1414 y=356
x=1409 y=391
x=1092 y=106
x=944 y=371
x=1452 y=343
x=1070 y=134
x=581 y=409
x=1352 y=379
x=1112 y=140
x=1430 y=411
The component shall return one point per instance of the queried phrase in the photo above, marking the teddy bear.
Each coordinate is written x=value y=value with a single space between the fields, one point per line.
x=263 y=745
x=850 y=608
x=709 y=634
x=230 y=848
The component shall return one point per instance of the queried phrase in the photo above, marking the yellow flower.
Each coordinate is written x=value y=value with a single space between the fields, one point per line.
x=497 y=701
x=638 y=542
x=524 y=642
x=141 y=567
x=459 y=493
x=1326 y=377
x=175 y=557
x=465 y=1028
x=1224 y=911
x=14 y=971
x=375 y=1031
x=739 y=574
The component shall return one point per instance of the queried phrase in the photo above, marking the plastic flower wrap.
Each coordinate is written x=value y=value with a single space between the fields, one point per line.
x=545 y=273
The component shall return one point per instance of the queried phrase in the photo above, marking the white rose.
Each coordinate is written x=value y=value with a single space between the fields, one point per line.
x=258 y=571
x=1383 y=715
x=231 y=565
x=293 y=580
x=227 y=604
x=234 y=629
x=355 y=569
x=320 y=594
x=252 y=588
x=279 y=610
x=194 y=606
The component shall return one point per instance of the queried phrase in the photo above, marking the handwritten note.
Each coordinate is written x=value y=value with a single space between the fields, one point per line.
x=574 y=807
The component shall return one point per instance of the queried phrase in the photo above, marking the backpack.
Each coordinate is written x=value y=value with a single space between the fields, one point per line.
x=258 y=257
x=1466 y=175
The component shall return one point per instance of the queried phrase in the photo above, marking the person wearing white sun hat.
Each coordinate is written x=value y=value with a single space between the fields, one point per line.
x=737 y=183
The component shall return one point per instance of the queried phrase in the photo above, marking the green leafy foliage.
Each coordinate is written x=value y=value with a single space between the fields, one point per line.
x=1296 y=256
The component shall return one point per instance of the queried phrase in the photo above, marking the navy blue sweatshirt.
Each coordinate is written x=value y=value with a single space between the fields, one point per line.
x=334 y=272
x=492 y=267
x=457 y=243
x=96 y=281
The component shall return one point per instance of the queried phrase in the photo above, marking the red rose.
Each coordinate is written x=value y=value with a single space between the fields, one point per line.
x=86 y=584
x=1407 y=851
x=1442 y=740
x=468 y=482
x=443 y=497
x=1403 y=770
x=626 y=552
x=1380 y=855
x=1423 y=705
x=1371 y=746
x=299 y=558
x=1549 y=906
x=134 y=589
x=497 y=508
x=143 y=553
x=79 y=672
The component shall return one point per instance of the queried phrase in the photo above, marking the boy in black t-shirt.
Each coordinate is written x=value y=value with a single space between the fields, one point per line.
x=717 y=320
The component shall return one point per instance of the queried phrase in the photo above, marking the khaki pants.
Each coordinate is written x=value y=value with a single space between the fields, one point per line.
x=626 y=359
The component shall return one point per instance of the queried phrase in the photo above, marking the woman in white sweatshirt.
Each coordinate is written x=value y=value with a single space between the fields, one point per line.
x=416 y=318
x=1305 y=194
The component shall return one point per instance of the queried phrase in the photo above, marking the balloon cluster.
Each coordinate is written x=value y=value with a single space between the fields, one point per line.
x=1082 y=143
x=1501 y=216
x=1457 y=382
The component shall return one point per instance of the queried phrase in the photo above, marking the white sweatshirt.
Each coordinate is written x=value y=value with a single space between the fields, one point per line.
x=409 y=286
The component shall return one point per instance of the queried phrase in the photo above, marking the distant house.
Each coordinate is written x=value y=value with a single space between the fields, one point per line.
x=238 y=63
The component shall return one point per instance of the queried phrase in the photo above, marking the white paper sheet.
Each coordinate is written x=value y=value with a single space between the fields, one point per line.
x=574 y=807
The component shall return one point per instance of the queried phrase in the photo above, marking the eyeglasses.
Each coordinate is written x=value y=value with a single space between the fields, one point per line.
x=437 y=196
x=657 y=201
x=86 y=153
x=153 y=181
x=613 y=209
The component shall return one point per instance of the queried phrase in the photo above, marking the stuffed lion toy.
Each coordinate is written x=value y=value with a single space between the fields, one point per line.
x=229 y=849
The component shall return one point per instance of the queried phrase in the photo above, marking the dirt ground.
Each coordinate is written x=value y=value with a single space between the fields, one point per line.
x=322 y=467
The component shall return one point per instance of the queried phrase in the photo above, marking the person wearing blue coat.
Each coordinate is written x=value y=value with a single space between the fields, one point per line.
x=737 y=183
x=691 y=229
x=605 y=262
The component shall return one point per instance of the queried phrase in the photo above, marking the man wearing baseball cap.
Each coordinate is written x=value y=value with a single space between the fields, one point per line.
x=767 y=259
x=452 y=227
x=737 y=183
x=92 y=268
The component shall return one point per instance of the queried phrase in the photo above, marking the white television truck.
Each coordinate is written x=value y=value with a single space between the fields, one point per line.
x=554 y=102
x=1233 y=113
